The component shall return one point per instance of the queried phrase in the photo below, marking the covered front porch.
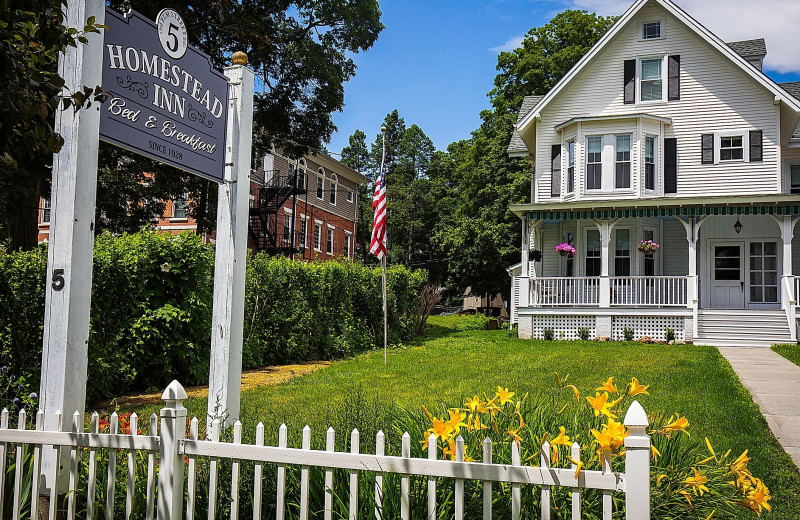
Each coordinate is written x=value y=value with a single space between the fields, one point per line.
x=720 y=260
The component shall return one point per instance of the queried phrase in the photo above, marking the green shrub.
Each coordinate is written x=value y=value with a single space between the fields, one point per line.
x=152 y=303
x=549 y=335
x=627 y=333
x=669 y=334
x=583 y=333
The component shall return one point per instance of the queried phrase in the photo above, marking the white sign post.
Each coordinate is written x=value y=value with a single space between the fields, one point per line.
x=68 y=288
x=225 y=374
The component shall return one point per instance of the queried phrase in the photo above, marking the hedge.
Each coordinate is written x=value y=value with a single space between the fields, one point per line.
x=151 y=311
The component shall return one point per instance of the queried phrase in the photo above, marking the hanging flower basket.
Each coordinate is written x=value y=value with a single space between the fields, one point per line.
x=648 y=247
x=566 y=250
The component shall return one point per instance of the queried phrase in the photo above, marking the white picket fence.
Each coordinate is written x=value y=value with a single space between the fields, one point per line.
x=170 y=444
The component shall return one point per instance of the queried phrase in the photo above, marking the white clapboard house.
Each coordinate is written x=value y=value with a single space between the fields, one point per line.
x=662 y=132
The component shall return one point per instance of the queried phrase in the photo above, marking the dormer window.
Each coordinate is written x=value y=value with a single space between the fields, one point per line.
x=651 y=30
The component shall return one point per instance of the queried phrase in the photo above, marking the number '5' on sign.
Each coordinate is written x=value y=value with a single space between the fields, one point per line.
x=58 y=279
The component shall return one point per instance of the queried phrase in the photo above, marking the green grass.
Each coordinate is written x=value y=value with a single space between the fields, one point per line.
x=790 y=352
x=447 y=365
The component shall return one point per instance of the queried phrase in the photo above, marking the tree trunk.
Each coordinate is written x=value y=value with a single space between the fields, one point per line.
x=22 y=218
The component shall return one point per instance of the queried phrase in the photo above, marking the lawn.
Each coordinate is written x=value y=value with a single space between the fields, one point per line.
x=448 y=365
x=790 y=352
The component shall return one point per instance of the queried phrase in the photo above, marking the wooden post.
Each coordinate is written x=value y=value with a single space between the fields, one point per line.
x=170 y=470
x=225 y=375
x=637 y=464
x=68 y=287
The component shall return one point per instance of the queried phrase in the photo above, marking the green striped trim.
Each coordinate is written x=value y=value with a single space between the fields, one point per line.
x=692 y=211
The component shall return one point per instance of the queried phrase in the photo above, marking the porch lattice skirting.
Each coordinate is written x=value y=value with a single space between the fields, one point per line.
x=565 y=326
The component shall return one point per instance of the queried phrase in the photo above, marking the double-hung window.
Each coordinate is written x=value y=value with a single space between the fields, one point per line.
x=46 y=211
x=347 y=244
x=287 y=228
x=794 y=180
x=594 y=163
x=731 y=148
x=593 y=261
x=303 y=224
x=320 y=186
x=317 y=237
x=330 y=241
x=622 y=178
x=570 y=166
x=179 y=206
x=649 y=162
x=622 y=252
x=332 y=186
x=651 y=82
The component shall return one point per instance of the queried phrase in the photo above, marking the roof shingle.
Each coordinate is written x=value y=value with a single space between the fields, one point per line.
x=517 y=145
x=749 y=48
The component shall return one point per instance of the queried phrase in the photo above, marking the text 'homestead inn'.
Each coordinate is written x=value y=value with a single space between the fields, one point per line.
x=664 y=191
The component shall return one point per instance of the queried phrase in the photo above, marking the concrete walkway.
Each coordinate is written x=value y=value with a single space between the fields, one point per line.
x=774 y=382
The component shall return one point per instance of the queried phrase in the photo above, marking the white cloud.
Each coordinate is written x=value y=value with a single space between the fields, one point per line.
x=510 y=44
x=777 y=21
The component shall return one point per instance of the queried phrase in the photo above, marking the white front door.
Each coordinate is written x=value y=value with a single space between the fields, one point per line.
x=727 y=275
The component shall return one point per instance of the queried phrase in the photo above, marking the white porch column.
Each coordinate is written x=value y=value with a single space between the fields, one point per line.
x=692 y=227
x=788 y=297
x=524 y=282
x=605 y=281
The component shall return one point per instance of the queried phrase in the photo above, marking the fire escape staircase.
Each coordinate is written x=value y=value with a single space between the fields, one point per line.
x=265 y=227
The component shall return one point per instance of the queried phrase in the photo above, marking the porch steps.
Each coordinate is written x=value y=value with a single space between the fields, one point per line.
x=742 y=328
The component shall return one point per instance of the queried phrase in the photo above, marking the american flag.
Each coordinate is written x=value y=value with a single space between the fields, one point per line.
x=378 y=244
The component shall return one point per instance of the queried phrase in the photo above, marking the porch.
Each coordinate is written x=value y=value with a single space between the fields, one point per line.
x=738 y=261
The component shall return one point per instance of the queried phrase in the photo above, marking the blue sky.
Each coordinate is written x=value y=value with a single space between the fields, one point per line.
x=435 y=61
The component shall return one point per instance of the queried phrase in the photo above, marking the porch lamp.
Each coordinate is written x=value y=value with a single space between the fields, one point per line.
x=738 y=226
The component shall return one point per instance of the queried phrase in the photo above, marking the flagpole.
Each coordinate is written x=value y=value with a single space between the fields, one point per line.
x=383 y=260
x=385 y=319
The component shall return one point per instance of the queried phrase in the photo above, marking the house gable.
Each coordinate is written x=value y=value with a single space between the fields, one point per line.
x=719 y=93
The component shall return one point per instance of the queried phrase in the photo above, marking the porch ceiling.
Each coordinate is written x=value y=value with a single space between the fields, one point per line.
x=663 y=207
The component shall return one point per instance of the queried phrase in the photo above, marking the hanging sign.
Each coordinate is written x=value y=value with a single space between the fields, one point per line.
x=165 y=100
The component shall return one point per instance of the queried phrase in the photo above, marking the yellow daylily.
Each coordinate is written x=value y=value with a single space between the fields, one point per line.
x=636 y=388
x=601 y=405
x=476 y=424
x=504 y=395
x=514 y=434
x=575 y=391
x=608 y=386
x=659 y=479
x=713 y=512
x=758 y=498
x=697 y=482
x=678 y=425
x=440 y=428
x=561 y=440
x=603 y=439
x=578 y=466
x=456 y=420
x=475 y=405
x=740 y=464
x=656 y=454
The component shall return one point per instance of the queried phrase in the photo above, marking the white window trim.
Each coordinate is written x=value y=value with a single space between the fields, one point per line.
x=655 y=163
x=572 y=138
x=317 y=246
x=608 y=161
x=349 y=195
x=643 y=21
x=630 y=162
x=329 y=239
x=585 y=173
x=639 y=59
x=348 y=242
x=333 y=183
x=745 y=133
x=185 y=199
x=304 y=230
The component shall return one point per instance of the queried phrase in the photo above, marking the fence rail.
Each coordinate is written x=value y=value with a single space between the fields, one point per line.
x=172 y=448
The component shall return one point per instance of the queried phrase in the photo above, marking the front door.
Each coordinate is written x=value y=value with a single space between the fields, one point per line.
x=727 y=276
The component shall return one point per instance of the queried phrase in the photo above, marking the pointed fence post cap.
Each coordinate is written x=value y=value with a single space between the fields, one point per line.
x=636 y=416
x=174 y=392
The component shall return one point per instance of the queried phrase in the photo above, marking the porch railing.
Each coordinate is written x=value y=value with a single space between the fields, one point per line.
x=631 y=291
x=178 y=454
x=565 y=291
x=657 y=291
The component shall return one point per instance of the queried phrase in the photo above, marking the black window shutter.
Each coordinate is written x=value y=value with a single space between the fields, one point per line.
x=756 y=146
x=674 y=72
x=707 y=156
x=555 y=172
x=670 y=165
x=629 y=82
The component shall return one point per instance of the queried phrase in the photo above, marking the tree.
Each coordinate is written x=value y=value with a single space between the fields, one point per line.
x=32 y=34
x=482 y=237
x=356 y=155
x=300 y=51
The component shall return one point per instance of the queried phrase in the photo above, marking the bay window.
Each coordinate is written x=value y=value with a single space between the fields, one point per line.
x=650 y=163
x=570 y=166
x=594 y=163
x=622 y=178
